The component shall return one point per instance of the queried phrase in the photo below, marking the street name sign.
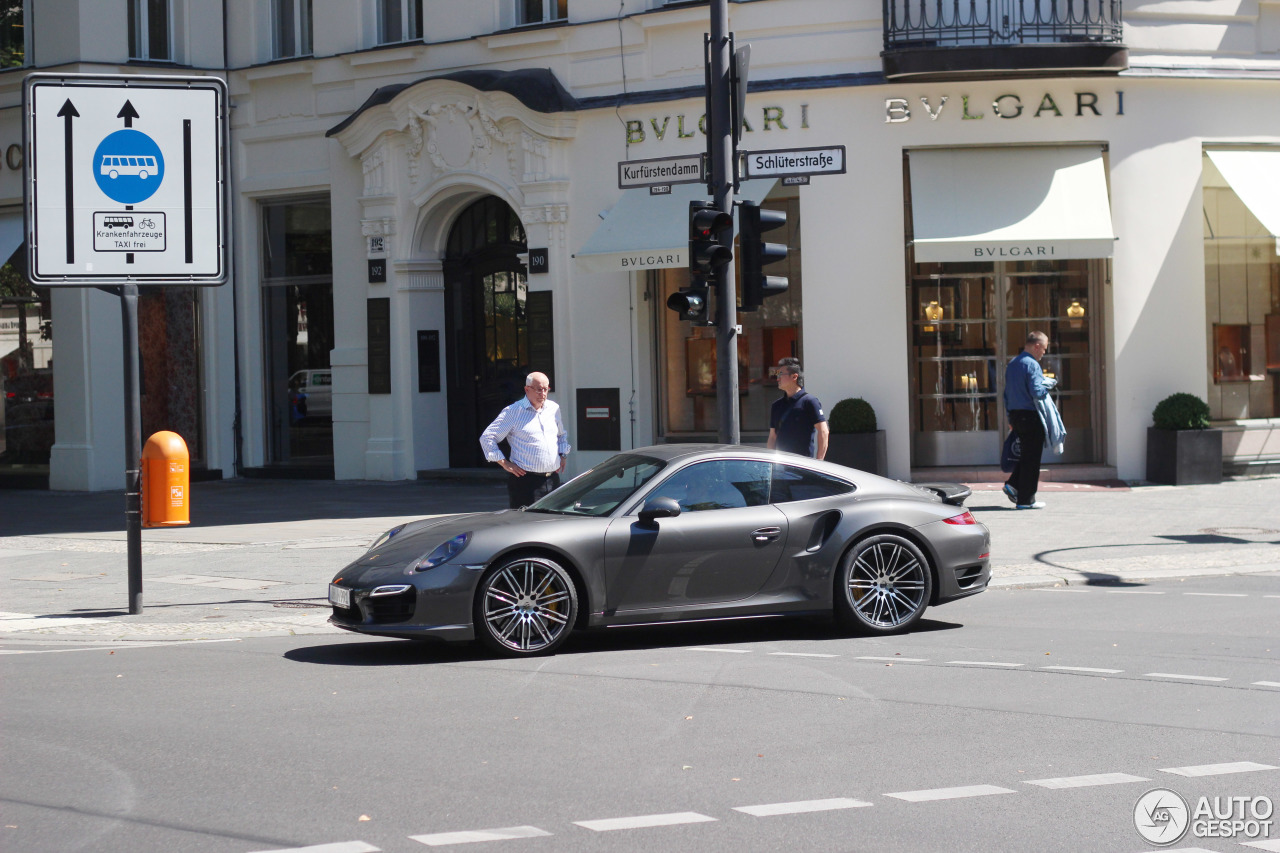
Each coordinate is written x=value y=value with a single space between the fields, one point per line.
x=126 y=179
x=661 y=172
x=792 y=162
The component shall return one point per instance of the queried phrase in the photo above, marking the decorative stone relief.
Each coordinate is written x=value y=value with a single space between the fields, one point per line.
x=460 y=135
x=374 y=166
x=554 y=216
x=377 y=227
x=536 y=150
x=414 y=146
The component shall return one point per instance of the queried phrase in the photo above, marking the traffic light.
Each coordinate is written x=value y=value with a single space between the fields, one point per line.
x=757 y=254
x=692 y=302
x=706 y=225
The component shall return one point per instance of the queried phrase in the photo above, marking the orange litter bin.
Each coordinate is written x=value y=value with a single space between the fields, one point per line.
x=166 y=481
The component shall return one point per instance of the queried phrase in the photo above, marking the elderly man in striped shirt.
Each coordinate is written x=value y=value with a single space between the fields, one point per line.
x=538 y=441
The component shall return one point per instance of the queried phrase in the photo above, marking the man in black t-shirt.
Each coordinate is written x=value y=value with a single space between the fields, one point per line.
x=797 y=423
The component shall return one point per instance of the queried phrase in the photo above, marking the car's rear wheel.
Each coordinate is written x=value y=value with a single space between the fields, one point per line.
x=884 y=585
x=525 y=606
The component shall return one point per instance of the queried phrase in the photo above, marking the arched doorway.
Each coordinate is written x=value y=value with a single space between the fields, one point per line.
x=486 y=292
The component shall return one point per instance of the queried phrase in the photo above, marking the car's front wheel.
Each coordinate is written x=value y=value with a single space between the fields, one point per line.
x=525 y=606
x=884 y=585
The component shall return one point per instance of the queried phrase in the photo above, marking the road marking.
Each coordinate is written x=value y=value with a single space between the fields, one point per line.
x=642 y=821
x=1084 y=669
x=1267 y=683
x=722 y=651
x=1134 y=592
x=802 y=655
x=441 y=839
x=1059 y=589
x=1185 y=677
x=895 y=659
x=100 y=648
x=949 y=793
x=801 y=807
x=339 y=847
x=1273 y=844
x=1271 y=596
x=29 y=621
x=1219 y=594
x=1088 y=781
x=1218 y=769
x=981 y=663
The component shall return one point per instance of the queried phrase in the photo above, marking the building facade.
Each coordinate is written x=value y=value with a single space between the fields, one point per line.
x=426 y=206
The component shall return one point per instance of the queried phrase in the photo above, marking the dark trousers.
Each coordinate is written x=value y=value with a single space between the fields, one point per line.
x=1026 y=474
x=522 y=491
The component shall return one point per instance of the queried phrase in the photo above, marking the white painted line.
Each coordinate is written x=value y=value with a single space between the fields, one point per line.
x=1084 y=669
x=981 y=663
x=801 y=807
x=116 y=647
x=949 y=793
x=722 y=651
x=894 y=659
x=1219 y=594
x=1218 y=769
x=339 y=847
x=1058 y=589
x=1088 y=781
x=1267 y=683
x=1134 y=592
x=1273 y=844
x=442 y=839
x=1271 y=596
x=642 y=821
x=1184 y=677
x=802 y=655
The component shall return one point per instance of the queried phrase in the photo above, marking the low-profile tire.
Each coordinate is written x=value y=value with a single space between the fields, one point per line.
x=883 y=585
x=525 y=606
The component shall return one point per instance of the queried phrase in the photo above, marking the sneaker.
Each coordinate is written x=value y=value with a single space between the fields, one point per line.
x=1036 y=505
x=1011 y=493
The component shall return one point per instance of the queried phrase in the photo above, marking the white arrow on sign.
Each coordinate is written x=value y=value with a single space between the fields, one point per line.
x=794 y=161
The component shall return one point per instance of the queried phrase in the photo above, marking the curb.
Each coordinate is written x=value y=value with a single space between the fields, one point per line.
x=1069 y=578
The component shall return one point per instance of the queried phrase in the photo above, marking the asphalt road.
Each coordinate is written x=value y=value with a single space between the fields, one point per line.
x=1021 y=719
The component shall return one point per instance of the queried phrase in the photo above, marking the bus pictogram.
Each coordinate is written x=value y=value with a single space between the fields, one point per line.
x=140 y=166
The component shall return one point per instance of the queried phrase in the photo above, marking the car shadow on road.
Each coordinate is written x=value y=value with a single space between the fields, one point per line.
x=396 y=652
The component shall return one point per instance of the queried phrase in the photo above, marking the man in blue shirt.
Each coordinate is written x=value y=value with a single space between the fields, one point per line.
x=1024 y=383
x=797 y=423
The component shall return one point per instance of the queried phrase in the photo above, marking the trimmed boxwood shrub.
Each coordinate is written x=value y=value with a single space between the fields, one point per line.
x=851 y=415
x=1181 y=411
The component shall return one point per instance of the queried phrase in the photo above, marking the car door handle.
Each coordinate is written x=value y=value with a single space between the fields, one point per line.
x=766 y=534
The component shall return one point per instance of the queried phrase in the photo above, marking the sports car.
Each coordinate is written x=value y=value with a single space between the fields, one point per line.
x=669 y=534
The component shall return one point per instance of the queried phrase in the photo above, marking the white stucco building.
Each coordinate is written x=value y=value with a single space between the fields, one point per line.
x=396 y=164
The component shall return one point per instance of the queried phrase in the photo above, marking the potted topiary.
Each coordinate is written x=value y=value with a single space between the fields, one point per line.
x=1182 y=449
x=854 y=441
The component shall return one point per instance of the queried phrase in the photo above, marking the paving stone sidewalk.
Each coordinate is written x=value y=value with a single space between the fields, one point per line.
x=258 y=554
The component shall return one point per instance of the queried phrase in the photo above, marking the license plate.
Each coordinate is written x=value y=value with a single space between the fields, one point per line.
x=339 y=596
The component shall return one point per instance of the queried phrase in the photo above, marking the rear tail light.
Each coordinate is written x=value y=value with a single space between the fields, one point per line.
x=965 y=517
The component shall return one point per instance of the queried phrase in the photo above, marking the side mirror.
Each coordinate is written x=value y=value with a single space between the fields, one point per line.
x=656 y=508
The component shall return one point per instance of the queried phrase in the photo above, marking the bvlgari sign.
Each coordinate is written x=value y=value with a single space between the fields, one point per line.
x=1008 y=106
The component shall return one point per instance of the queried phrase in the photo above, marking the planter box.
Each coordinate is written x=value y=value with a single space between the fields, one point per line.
x=862 y=450
x=1184 y=457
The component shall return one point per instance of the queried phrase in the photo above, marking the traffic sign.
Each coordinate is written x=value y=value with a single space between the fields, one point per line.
x=789 y=162
x=126 y=179
x=661 y=171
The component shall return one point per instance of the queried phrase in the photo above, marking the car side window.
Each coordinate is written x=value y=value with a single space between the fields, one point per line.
x=718 y=484
x=792 y=483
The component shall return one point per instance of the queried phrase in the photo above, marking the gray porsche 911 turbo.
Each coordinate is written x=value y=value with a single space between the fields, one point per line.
x=669 y=534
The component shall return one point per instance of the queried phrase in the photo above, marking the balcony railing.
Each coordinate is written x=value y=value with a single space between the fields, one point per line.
x=974 y=32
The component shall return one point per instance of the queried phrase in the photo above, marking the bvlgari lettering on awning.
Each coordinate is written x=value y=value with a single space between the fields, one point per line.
x=686 y=127
x=1007 y=106
x=1014 y=251
x=671 y=259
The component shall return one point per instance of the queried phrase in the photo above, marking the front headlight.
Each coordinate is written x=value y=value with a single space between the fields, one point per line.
x=386 y=537
x=444 y=553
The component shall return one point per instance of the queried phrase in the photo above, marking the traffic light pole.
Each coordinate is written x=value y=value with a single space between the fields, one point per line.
x=720 y=144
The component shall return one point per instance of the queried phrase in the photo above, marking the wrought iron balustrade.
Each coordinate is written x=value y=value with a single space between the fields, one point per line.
x=972 y=23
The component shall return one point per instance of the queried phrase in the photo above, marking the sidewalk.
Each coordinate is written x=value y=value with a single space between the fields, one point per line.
x=257 y=557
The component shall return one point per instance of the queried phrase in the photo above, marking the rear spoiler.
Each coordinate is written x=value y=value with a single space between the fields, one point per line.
x=951 y=493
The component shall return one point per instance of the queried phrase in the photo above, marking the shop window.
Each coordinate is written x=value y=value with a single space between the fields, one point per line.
x=13 y=34
x=150 y=37
x=1242 y=305
x=26 y=375
x=290 y=28
x=399 y=20
x=688 y=352
x=541 y=11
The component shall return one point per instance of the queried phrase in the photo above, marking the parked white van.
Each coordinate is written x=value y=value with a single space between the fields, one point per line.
x=317 y=386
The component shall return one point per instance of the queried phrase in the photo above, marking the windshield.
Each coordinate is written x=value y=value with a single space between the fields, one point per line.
x=600 y=490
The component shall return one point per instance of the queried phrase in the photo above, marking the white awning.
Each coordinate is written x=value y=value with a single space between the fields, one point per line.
x=1255 y=177
x=992 y=204
x=11 y=234
x=646 y=232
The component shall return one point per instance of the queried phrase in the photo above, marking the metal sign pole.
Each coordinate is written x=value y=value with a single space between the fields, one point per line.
x=720 y=140
x=132 y=444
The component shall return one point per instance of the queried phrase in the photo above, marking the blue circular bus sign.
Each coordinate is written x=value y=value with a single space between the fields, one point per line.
x=128 y=166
